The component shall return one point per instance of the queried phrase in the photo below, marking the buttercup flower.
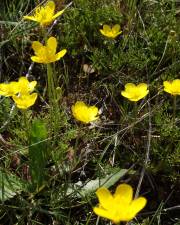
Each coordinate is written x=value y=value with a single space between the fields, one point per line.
x=111 y=32
x=45 y=15
x=9 y=89
x=120 y=206
x=172 y=87
x=46 y=54
x=84 y=113
x=25 y=101
x=20 y=92
x=135 y=93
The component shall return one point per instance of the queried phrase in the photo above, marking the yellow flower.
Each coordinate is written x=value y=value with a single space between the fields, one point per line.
x=111 y=32
x=172 y=87
x=10 y=89
x=25 y=101
x=45 y=14
x=46 y=54
x=84 y=113
x=135 y=93
x=120 y=206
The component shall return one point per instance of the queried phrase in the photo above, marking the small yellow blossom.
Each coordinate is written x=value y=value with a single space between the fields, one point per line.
x=135 y=92
x=25 y=101
x=111 y=32
x=45 y=15
x=172 y=87
x=84 y=113
x=120 y=206
x=46 y=54
x=9 y=89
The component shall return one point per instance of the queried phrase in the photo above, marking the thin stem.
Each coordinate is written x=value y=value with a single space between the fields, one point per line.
x=53 y=100
x=51 y=85
x=135 y=111
x=174 y=110
x=26 y=124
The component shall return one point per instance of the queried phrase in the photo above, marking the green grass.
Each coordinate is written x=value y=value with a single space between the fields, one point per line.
x=49 y=176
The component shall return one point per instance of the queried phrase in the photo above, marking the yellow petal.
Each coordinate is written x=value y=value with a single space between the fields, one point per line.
x=23 y=81
x=32 y=85
x=136 y=206
x=50 y=7
x=176 y=82
x=52 y=45
x=36 y=45
x=125 y=94
x=123 y=194
x=102 y=32
x=4 y=90
x=37 y=59
x=106 y=28
x=58 y=14
x=129 y=86
x=25 y=101
x=142 y=86
x=33 y=18
x=103 y=213
x=116 y=28
x=61 y=54
x=105 y=197
x=93 y=111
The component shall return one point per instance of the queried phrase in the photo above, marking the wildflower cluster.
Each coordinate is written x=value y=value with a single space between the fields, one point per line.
x=132 y=92
x=21 y=92
x=117 y=207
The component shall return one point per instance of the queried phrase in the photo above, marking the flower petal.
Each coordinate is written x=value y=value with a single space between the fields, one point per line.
x=58 y=14
x=106 y=28
x=37 y=59
x=129 y=86
x=105 y=197
x=142 y=86
x=123 y=194
x=25 y=101
x=32 y=85
x=136 y=206
x=116 y=28
x=125 y=94
x=103 y=213
x=102 y=32
x=33 y=18
x=93 y=111
x=36 y=46
x=61 y=54
x=50 y=7
x=52 y=45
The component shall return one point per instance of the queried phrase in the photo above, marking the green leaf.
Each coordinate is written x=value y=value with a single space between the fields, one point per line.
x=80 y=189
x=38 y=153
x=10 y=185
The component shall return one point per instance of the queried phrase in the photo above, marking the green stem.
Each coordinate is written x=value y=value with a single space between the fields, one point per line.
x=51 y=85
x=174 y=110
x=135 y=111
x=53 y=101
x=26 y=124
